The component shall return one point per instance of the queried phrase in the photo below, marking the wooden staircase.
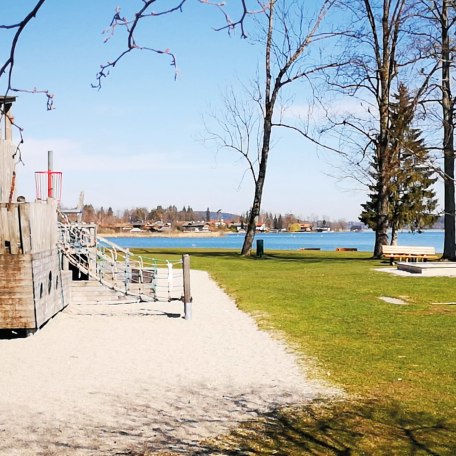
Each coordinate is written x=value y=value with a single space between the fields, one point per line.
x=93 y=292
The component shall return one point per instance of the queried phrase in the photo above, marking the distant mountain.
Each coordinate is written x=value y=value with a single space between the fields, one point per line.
x=201 y=215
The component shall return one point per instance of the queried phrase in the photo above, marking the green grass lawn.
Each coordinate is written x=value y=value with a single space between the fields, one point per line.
x=396 y=362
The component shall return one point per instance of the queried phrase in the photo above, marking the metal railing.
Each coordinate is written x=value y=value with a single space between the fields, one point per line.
x=147 y=279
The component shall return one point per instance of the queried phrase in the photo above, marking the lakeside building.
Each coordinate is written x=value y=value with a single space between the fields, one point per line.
x=201 y=227
x=306 y=227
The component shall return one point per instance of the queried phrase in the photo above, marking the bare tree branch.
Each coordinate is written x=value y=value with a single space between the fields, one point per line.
x=309 y=137
x=131 y=26
x=8 y=66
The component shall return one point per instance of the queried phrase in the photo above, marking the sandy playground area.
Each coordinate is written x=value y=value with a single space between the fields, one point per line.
x=119 y=379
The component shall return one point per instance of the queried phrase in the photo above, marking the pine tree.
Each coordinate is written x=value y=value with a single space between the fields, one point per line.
x=411 y=198
x=280 y=222
x=190 y=214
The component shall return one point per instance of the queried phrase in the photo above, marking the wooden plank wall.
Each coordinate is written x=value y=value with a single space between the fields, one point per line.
x=43 y=225
x=4 y=229
x=47 y=279
x=10 y=233
x=7 y=150
x=28 y=227
x=17 y=310
x=67 y=279
x=33 y=288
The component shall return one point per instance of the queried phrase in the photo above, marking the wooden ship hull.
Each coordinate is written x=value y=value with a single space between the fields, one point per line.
x=33 y=286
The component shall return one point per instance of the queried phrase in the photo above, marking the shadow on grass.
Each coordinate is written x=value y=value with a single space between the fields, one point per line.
x=339 y=429
x=325 y=257
x=310 y=256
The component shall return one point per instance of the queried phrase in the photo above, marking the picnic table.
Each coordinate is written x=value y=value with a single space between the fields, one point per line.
x=408 y=253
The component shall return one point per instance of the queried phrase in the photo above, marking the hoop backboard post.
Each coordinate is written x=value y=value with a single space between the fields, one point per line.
x=50 y=192
x=48 y=183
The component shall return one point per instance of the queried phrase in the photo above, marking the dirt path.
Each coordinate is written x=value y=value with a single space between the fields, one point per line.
x=102 y=380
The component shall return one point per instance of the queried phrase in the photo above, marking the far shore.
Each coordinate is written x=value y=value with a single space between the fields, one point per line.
x=171 y=234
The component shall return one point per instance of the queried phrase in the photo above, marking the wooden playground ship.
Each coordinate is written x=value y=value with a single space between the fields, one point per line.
x=42 y=252
x=33 y=285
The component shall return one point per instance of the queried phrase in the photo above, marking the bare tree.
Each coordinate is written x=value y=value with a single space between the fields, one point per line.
x=6 y=70
x=146 y=9
x=438 y=44
x=380 y=50
x=247 y=129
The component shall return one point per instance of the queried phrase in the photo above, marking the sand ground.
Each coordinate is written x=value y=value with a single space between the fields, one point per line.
x=110 y=379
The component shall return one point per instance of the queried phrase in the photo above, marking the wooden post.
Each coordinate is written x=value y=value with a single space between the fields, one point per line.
x=13 y=227
x=187 y=294
x=8 y=121
x=24 y=227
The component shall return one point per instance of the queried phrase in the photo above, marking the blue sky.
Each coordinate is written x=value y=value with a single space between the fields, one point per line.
x=137 y=142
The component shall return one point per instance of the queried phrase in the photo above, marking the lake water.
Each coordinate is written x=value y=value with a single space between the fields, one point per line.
x=363 y=241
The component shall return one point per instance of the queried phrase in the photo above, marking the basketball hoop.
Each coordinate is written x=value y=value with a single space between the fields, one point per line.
x=48 y=185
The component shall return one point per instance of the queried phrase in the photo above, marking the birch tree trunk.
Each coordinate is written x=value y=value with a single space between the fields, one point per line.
x=273 y=86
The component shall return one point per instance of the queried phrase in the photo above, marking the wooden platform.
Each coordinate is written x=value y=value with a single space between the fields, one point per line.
x=429 y=269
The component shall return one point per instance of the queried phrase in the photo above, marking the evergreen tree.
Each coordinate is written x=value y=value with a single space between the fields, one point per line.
x=190 y=214
x=208 y=215
x=101 y=216
x=280 y=222
x=411 y=198
x=88 y=214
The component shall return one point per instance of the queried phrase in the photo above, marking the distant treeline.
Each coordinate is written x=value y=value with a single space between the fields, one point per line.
x=164 y=214
x=171 y=215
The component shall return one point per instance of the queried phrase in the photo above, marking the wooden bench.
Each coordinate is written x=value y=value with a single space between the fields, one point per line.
x=408 y=253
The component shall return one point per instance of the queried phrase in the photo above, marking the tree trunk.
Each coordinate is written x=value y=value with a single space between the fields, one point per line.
x=251 y=226
x=259 y=183
x=393 y=235
x=449 y=246
x=385 y=58
x=285 y=59
x=384 y=171
x=381 y=233
x=270 y=96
